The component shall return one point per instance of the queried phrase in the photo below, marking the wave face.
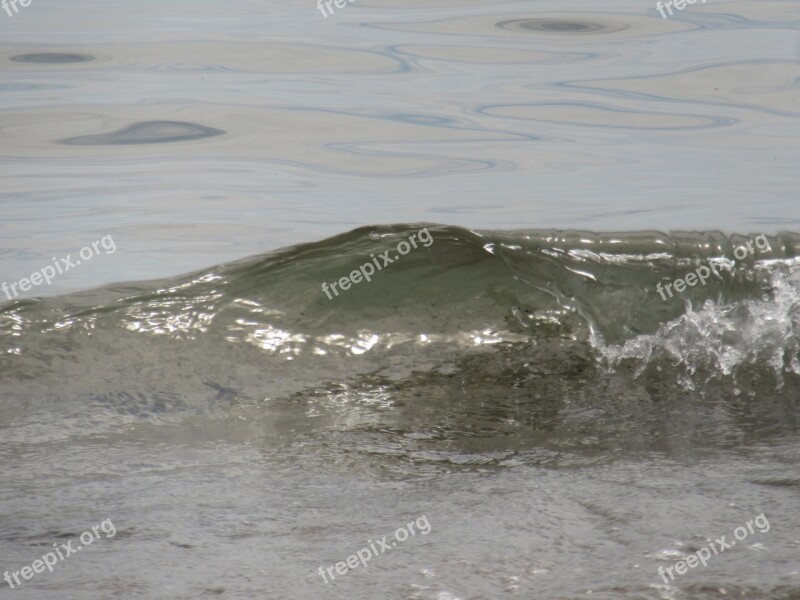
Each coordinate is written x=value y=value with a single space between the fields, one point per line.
x=530 y=297
x=492 y=378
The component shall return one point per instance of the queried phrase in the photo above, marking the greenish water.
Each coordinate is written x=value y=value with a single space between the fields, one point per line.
x=547 y=382
x=562 y=427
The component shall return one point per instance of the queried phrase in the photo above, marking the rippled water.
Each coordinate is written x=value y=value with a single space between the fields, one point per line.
x=470 y=113
x=519 y=382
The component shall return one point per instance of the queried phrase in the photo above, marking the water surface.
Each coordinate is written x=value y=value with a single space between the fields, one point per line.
x=520 y=382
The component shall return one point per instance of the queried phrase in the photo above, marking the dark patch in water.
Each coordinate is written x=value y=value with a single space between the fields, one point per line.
x=52 y=58
x=558 y=26
x=24 y=87
x=147 y=132
x=779 y=482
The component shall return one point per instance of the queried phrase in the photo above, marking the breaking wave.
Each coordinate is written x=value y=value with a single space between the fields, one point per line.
x=531 y=295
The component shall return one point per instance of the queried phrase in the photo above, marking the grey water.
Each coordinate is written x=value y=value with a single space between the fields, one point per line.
x=566 y=431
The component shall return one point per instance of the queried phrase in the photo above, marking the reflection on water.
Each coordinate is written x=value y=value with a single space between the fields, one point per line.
x=51 y=58
x=472 y=113
x=240 y=430
x=152 y=132
x=559 y=25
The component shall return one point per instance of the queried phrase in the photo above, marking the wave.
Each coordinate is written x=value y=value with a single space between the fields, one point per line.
x=579 y=296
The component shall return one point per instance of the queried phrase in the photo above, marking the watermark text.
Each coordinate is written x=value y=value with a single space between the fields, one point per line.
x=59 y=266
x=703 y=554
x=63 y=551
x=368 y=552
x=367 y=270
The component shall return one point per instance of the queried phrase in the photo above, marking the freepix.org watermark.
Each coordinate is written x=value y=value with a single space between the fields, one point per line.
x=322 y=4
x=59 y=266
x=679 y=5
x=368 y=552
x=9 y=4
x=703 y=272
x=50 y=559
x=702 y=555
x=367 y=270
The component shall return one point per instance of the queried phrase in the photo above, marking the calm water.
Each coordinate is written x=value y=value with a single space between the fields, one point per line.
x=518 y=382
